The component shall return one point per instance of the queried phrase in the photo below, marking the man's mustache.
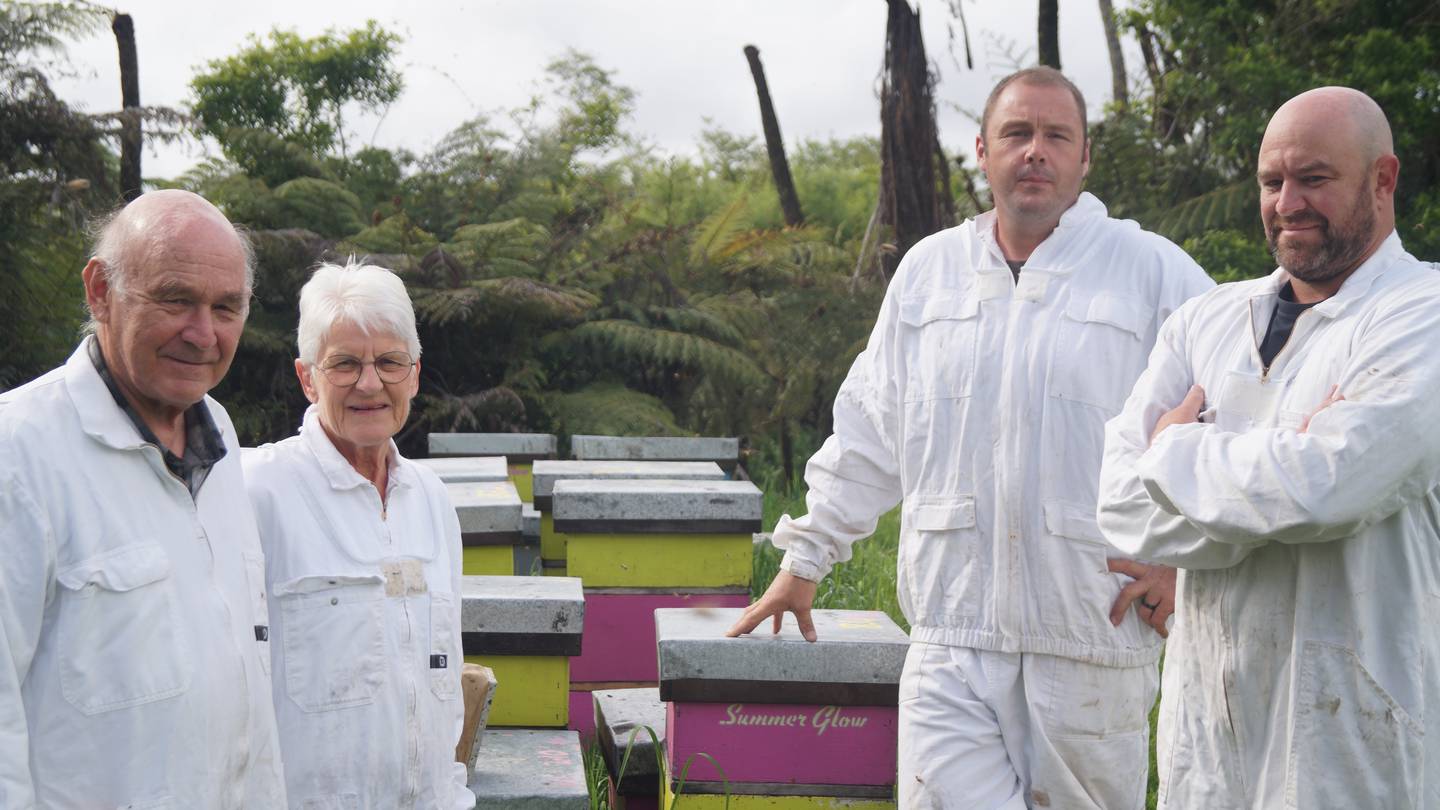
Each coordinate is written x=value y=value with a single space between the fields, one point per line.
x=1034 y=172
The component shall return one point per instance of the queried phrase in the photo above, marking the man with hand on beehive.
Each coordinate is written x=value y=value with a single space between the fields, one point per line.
x=1002 y=347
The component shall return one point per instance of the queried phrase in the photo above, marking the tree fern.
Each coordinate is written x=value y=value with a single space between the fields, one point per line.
x=1235 y=207
x=611 y=409
x=628 y=343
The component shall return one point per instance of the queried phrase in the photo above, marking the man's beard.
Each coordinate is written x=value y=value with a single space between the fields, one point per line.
x=1340 y=248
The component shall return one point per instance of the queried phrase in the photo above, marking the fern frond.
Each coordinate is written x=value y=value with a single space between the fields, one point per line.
x=621 y=341
x=611 y=409
x=1229 y=207
x=718 y=230
x=706 y=324
x=497 y=409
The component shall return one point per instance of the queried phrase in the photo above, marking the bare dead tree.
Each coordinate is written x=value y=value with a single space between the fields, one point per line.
x=1119 y=87
x=1050 y=33
x=130 y=137
x=947 y=197
x=909 y=194
x=779 y=166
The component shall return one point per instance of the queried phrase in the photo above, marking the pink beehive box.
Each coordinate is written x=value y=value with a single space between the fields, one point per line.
x=619 y=640
x=776 y=709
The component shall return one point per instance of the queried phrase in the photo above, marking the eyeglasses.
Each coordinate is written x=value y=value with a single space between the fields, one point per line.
x=391 y=368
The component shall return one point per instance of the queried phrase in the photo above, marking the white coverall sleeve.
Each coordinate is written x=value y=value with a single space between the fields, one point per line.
x=27 y=547
x=460 y=796
x=1361 y=460
x=855 y=476
x=1128 y=516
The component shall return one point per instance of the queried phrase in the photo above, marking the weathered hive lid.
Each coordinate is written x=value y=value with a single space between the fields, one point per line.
x=548 y=472
x=489 y=512
x=619 y=713
x=855 y=661
x=510 y=615
x=517 y=447
x=656 y=448
x=650 y=506
x=530 y=520
x=519 y=769
x=467 y=469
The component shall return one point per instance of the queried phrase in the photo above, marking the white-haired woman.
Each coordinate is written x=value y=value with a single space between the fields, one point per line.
x=362 y=557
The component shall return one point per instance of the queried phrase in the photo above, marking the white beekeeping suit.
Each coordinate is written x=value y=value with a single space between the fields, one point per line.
x=980 y=401
x=365 y=621
x=1304 y=667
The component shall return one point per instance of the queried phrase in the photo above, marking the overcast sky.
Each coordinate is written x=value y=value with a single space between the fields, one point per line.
x=682 y=57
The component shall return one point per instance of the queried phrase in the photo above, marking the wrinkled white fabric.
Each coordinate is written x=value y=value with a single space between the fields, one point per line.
x=132 y=673
x=366 y=627
x=1302 y=670
x=981 y=402
x=1006 y=731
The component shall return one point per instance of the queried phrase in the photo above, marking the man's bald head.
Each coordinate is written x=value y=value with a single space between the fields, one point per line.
x=1338 y=112
x=156 y=220
x=1327 y=175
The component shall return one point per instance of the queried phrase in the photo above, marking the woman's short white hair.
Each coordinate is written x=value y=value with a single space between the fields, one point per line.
x=371 y=298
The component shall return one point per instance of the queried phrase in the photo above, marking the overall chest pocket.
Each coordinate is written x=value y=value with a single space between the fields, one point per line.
x=334 y=640
x=1100 y=350
x=118 y=630
x=941 y=345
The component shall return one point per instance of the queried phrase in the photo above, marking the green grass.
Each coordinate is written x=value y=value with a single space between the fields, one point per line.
x=865 y=582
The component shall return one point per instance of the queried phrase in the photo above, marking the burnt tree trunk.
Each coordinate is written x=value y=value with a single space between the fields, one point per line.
x=1050 y=33
x=909 y=198
x=779 y=166
x=1119 y=87
x=947 y=197
x=124 y=29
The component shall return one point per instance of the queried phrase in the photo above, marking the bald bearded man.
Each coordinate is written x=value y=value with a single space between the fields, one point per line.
x=1295 y=486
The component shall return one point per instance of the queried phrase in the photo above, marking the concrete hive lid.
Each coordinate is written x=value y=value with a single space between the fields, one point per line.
x=486 y=509
x=547 y=472
x=530 y=520
x=516 y=615
x=656 y=448
x=856 y=660
x=661 y=505
x=619 y=713
x=520 y=769
x=467 y=469
x=517 y=446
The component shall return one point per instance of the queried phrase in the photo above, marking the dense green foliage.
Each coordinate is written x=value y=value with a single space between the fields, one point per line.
x=569 y=278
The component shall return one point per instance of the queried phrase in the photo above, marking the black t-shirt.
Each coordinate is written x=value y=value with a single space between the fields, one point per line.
x=1282 y=323
x=1015 y=268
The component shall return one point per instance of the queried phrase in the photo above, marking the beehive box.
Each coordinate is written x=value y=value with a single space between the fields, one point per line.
x=468 y=469
x=776 y=710
x=525 y=629
x=658 y=533
x=491 y=522
x=630 y=730
x=547 y=473
x=520 y=450
x=522 y=769
x=722 y=451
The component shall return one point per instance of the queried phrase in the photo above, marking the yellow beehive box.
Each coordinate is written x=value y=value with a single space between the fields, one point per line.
x=525 y=629
x=657 y=533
